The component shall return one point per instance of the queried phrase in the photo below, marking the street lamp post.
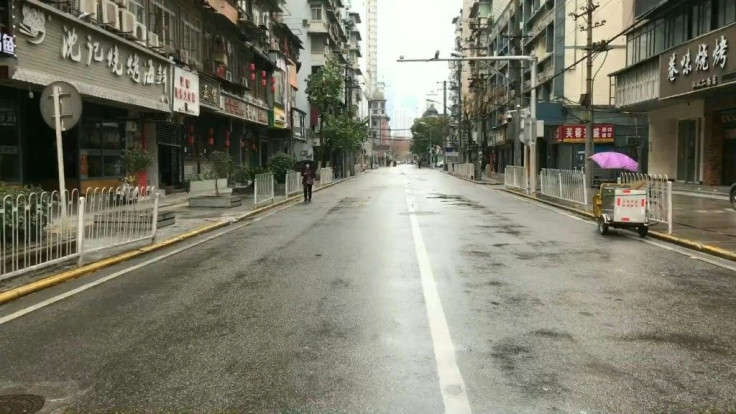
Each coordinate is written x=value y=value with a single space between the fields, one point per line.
x=532 y=168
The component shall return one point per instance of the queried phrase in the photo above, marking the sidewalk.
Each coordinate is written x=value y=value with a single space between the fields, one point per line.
x=187 y=221
x=701 y=215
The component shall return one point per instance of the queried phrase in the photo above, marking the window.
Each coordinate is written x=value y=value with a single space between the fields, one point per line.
x=316 y=14
x=191 y=30
x=318 y=44
x=278 y=95
x=136 y=7
x=677 y=29
x=9 y=154
x=162 y=21
x=726 y=12
x=100 y=149
x=700 y=19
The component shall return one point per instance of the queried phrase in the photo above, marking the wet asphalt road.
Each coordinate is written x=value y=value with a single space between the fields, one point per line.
x=320 y=308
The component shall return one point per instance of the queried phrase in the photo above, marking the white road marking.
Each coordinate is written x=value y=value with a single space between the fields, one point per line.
x=62 y=296
x=452 y=385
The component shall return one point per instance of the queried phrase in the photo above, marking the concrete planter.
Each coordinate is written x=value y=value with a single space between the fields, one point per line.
x=207 y=187
x=215 y=202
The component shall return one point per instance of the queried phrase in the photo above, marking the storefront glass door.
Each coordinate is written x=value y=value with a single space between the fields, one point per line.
x=687 y=151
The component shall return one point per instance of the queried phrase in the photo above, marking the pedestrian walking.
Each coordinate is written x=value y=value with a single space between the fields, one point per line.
x=308 y=177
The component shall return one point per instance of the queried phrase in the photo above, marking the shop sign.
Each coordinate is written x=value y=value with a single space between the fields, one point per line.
x=575 y=134
x=209 y=92
x=62 y=48
x=234 y=106
x=256 y=114
x=698 y=64
x=186 y=92
x=7 y=44
x=279 y=118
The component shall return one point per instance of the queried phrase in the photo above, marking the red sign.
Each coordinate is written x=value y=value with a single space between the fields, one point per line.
x=235 y=107
x=575 y=134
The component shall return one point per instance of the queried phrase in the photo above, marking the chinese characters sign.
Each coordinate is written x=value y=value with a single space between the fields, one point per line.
x=7 y=44
x=697 y=64
x=186 y=91
x=575 y=134
x=209 y=92
x=98 y=63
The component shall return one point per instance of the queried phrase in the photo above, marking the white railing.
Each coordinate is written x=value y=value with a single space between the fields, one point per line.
x=42 y=229
x=660 y=195
x=515 y=177
x=118 y=216
x=263 y=189
x=568 y=185
x=292 y=183
x=466 y=171
x=325 y=176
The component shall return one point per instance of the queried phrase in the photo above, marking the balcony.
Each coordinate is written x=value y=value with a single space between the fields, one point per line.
x=545 y=75
x=318 y=26
x=540 y=26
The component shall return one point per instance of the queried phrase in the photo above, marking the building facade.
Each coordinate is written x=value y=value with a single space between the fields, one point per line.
x=500 y=90
x=179 y=78
x=680 y=73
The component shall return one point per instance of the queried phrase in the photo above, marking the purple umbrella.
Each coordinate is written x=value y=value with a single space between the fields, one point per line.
x=615 y=161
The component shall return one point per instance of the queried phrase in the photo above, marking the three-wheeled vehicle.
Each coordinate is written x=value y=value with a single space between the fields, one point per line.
x=623 y=206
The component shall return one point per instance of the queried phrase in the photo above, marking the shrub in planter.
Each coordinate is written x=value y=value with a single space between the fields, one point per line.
x=280 y=164
x=253 y=171
x=222 y=166
x=134 y=161
x=27 y=223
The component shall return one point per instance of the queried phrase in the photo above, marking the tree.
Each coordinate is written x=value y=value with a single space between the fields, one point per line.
x=280 y=164
x=344 y=133
x=134 y=161
x=427 y=132
x=325 y=88
x=222 y=166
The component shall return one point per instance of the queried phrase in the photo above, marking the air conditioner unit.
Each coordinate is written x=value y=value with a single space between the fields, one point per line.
x=122 y=3
x=229 y=76
x=88 y=8
x=193 y=62
x=183 y=55
x=128 y=22
x=245 y=81
x=220 y=57
x=140 y=33
x=153 y=40
x=110 y=14
x=265 y=18
x=305 y=23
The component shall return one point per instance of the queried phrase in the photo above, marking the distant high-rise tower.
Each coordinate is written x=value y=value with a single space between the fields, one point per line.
x=372 y=26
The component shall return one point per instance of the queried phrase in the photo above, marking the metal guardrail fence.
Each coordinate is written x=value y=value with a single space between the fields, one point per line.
x=42 y=229
x=464 y=170
x=263 y=189
x=292 y=184
x=325 y=176
x=515 y=177
x=660 y=195
x=568 y=185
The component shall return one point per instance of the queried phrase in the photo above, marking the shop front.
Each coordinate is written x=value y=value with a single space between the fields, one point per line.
x=568 y=152
x=125 y=92
x=186 y=106
x=693 y=133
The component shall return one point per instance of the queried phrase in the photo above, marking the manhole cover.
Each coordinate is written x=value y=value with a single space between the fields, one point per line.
x=20 y=404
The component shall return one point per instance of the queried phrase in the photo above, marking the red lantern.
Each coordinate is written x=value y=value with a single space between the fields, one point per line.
x=242 y=143
x=263 y=82
x=227 y=139
x=190 y=136
x=211 y=137
x=273 y=79
x=252 y=67
x=263 y=74
x=273 y=89
x=252 y=76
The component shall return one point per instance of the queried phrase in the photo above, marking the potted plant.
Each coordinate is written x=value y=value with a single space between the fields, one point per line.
x=222 y=167
x=135 y=160
x=280 y=164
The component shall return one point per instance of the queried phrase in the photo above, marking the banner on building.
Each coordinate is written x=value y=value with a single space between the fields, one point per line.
x=575 y=134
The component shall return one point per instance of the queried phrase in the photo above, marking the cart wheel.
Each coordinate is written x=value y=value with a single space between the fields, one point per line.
x=602 y=226
x=643 y=231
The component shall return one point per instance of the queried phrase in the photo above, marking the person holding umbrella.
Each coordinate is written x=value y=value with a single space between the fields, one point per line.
x=308 y=177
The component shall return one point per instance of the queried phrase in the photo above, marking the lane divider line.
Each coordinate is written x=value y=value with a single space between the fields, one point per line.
x=452 y=385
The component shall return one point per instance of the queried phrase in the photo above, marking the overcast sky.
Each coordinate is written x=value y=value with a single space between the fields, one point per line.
x=415 y=29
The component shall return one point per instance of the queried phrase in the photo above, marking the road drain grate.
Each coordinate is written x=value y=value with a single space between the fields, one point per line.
x=21 y=404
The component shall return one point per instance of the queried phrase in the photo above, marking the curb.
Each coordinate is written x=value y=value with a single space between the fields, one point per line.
x=62 y=277
x=687 y=243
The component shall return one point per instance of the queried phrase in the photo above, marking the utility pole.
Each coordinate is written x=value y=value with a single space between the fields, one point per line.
x=444 y=125
x=460 y=113
x=590 y=47
x=515 y=69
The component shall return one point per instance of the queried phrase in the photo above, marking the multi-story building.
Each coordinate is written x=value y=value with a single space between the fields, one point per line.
x=176 y=77
x=500 y=90
x=323 y=34
x=380 y=128
x=354 y=71
x=372 y=55
x=679 y=71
